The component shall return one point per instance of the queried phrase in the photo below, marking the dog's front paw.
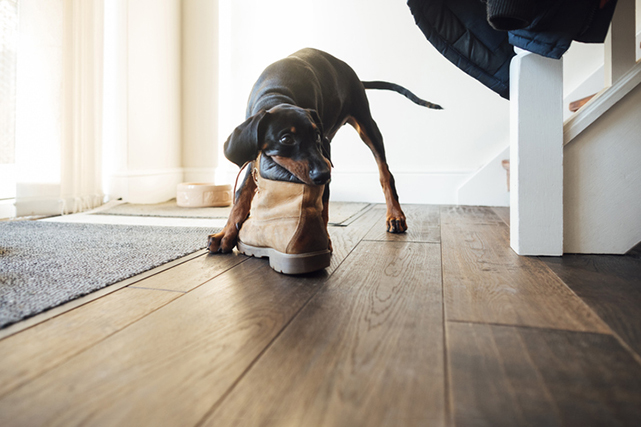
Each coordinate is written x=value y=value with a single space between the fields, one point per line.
x=396 y=224
x=224 y=241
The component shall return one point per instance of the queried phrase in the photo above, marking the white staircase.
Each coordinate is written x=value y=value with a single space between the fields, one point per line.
x=576 y=186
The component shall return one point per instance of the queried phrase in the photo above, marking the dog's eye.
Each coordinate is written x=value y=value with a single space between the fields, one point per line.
x=287 y=139
x=318 y=138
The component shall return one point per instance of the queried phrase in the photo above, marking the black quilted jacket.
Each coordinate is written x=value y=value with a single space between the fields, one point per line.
x=479 y=36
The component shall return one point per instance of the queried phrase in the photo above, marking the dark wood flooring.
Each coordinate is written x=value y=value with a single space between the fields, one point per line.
x=442 y=326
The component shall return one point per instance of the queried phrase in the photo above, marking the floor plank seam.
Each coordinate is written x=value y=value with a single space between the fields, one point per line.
x=352 y=219
x=246 y=258
x=514 y=325
x=400 y=241
x=157 y=289
x=447 y=389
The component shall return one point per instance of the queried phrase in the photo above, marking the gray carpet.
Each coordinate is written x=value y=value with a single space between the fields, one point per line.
x=45 y=264
x=340 y=213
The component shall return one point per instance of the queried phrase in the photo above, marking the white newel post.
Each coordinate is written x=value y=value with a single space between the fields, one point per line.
x=536 y=155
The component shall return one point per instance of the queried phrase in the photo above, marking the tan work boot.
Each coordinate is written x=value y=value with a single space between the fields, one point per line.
x=286 y=225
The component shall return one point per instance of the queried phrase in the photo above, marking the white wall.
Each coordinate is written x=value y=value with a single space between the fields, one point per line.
x=579 y=63
x=431 y=153
x=482 y=189
x=199 y=70
x=583 y=73
x=602 y=182
x=143 y=99
x=154 y=84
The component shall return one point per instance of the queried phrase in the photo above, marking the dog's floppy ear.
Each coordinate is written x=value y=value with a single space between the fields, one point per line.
x=317 y=120
x=325 y=143
x=243 y=144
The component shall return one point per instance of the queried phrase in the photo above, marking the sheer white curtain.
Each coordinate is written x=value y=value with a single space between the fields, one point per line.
x=114 y=96
x=59 y=106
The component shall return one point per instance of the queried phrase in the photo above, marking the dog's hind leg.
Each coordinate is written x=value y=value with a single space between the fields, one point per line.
x=225 y=241
x=369 y=133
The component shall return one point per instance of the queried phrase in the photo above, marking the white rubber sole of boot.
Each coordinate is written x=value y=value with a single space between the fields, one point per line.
x=289 y=263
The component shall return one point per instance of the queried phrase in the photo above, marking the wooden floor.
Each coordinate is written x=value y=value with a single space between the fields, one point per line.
x=441 y=326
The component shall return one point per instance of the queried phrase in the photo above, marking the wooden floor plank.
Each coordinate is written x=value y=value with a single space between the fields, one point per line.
x=610 y=285
x=485 y=281
x=366 y=351
x=34 y=351
x=423 y=223
x=512 y=376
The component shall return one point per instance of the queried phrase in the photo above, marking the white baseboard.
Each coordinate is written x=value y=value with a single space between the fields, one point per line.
x=38 y=206
x=36 y=198
x=364 y=186
x=412 y=187
x=7 y=208
x=146 y=186
x=488 y=185
x=45 y=199
x=7 y=181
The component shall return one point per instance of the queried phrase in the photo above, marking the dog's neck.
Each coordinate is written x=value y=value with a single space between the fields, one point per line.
x=268 y=102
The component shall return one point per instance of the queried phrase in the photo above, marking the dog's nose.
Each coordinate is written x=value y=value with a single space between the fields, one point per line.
x=319 y=176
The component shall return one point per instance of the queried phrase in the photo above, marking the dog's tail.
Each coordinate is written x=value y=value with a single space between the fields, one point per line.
x=400 y=89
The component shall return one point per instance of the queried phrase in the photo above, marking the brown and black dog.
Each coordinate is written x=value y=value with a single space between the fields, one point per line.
x=294 y=110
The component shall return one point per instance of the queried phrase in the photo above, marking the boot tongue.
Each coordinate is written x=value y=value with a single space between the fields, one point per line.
x=269 y=169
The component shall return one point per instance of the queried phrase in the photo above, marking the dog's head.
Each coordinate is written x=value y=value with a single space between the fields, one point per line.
x=290 y=136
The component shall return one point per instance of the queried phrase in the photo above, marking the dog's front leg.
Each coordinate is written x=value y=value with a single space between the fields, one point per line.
x=225 y=241
x=326 y=216
x=368 y=130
